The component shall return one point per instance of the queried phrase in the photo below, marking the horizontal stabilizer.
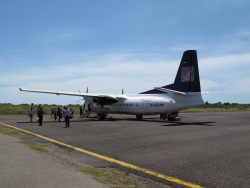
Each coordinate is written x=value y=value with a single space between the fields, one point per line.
x=205 y=92
x=169 y=91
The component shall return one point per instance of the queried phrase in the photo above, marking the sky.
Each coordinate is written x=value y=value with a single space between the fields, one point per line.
x=110 y=45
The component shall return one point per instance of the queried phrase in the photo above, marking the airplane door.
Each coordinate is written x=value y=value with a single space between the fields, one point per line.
x=145 y=106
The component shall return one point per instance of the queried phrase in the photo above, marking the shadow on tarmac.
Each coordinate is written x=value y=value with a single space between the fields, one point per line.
x=191 y=123
x=91 y=119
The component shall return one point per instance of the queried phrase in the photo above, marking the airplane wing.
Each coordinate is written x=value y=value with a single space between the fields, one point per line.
x=61 y=93
x=98 y=97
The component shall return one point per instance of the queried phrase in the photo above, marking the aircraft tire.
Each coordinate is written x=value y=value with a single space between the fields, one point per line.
x=139 y=117
x=101 y=117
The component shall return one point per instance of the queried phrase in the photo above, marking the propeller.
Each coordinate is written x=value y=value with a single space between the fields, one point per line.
x=83 y=98
x=84 y=102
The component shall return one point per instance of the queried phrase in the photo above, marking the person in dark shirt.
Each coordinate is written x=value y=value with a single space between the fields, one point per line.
x=81 y=111
x=55 y=113
x=59 y=113
x=40 y=113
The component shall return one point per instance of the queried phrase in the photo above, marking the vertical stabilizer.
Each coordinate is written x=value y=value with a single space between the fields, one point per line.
x=187 y=78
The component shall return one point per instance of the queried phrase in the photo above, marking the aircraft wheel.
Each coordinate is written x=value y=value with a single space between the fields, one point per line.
x=139 y=117
x=101 y=117
x=170 y=119
x=163 y=117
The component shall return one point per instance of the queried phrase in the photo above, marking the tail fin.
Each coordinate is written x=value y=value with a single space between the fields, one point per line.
x=187 y=78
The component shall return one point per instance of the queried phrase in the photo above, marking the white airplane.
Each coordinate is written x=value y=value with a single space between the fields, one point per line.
x=184 y=93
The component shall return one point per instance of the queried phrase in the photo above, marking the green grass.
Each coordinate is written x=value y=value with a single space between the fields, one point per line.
x=37 y=146
x=114 y=178
x=40 y=147
x=11 y=132
x=199 y=109
x=23 y=109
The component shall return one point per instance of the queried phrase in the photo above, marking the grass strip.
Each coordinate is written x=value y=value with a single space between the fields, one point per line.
x=11 y=132
x=114 y=178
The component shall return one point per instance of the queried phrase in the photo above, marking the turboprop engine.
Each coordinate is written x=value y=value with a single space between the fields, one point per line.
x=105 y=100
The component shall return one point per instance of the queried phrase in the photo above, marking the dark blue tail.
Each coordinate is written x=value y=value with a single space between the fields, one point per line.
x=187 y=78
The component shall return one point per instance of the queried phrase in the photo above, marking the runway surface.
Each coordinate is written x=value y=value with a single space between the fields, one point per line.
x=206 y=149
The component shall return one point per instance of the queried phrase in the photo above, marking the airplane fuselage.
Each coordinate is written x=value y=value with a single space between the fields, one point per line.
x=148 y=104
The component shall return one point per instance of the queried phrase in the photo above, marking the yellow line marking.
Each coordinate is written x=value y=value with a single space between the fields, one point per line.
x=124 y=164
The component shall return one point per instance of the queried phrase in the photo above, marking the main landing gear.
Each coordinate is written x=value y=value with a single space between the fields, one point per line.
x=101 y=116
x=139 y=117
x=174 y=116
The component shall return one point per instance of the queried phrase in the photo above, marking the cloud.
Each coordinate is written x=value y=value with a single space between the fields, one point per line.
x=206 y=85
x=241 y=86
x=61 y=34
x=244 y=33
x=184 y=46
x=113 y=72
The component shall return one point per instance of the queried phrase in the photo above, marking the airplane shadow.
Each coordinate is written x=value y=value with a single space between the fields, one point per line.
x=153 y=120
x=62 y=121
x=34 y=122
x=191 y=123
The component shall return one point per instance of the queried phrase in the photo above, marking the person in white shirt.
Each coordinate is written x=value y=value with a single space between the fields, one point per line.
x=31 y=114
x=66 y=115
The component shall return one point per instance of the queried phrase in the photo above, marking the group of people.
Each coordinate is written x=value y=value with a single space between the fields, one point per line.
x=56 y=112
x=40 y=113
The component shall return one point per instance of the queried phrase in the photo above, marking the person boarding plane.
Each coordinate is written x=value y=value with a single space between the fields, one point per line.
x=184 y=93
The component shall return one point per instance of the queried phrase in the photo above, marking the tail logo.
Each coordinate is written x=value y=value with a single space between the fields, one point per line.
x=187 y=74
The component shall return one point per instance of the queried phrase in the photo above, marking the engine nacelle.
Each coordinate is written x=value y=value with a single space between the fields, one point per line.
x=105 y=100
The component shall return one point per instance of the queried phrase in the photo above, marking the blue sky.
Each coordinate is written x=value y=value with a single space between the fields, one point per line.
x=108 y=45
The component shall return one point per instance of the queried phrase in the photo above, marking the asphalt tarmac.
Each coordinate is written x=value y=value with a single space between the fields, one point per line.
x=205 y=149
